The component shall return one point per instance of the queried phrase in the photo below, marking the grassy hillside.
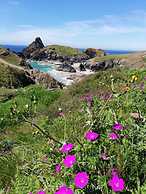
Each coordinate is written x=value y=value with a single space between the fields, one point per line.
x=10 y=57
x=12 y=78
x=33 y=154
x=65 y=50
x=108 y=57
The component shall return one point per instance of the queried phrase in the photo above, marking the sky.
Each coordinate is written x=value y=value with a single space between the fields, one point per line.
x=106 y=24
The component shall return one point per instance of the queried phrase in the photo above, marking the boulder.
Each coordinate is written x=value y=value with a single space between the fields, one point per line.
x=4 y=52
x=92 y=52
x=102 y=65
x=82 y=67
x=25 y=64
x=66 y=68
x=46 y=80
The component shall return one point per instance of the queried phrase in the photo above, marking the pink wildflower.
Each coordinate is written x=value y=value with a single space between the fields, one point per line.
x=106 y=96
x=113 y=136
x=88 y=98
x=81 y=180
x=66 y=148
x=64 y=190
x=91 y=136
x=118 y=126
x=142 y=86
x=69 y=161
x=61 y=114
x=57 y=168
x=116 y=183
x=41 y=192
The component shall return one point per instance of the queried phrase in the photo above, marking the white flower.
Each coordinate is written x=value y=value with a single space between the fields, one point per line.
x=26 y=105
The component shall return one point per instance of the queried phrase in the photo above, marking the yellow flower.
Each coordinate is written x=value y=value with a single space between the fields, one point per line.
x=134 y=78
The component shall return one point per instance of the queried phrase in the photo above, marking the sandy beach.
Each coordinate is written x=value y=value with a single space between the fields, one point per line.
x=66 y=78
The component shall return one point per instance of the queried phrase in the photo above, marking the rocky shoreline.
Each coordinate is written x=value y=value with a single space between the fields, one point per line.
x=69 y=65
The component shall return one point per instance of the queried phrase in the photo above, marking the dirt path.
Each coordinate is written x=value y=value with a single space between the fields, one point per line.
x=11 y=65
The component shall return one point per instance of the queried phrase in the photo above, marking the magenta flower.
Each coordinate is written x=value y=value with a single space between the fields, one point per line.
x=61 y=114
x=113 y=136
x=118 y=126
x=88 y=98
x=69 y=161
x=106 y=96
x=57 y=168
x=142 y=86
x=64 y=190
x=116 y=183
x=41 y=192
x=81 y=180
x=66 y=148
x=91 y=136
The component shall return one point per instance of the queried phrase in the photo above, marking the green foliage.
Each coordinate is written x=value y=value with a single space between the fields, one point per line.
x=66 y=51
x=10 y=57
x=28 y=101
x=12 y=78
x=8 y=170
x=110 y=57
x=144 y=59
x=38 y=155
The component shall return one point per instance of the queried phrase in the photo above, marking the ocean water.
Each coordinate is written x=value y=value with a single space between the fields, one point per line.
x=19 y=48
x=15 y=48
x=50 y=69
x=42 y=67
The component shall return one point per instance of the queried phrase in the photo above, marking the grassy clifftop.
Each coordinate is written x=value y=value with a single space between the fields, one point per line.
x=12 y=77
x=9 y=56
x=65 y=50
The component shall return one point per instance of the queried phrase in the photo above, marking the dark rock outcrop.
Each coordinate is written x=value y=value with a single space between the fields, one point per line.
x=82 y=67
x=33 y=47
x=66 y=68
x=37 y=51
x=92 y=52
x=102 y=65
x=4 y=52
x=45 y=79
x=25 y=64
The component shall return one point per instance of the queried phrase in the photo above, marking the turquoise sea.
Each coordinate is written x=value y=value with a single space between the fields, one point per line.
x=42 y=67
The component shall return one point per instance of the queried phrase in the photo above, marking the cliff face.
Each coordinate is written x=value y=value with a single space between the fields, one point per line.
x=35 y=46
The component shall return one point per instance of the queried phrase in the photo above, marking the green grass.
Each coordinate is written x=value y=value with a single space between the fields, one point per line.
x=144 y=59
x=5 y=93
x=65 y=50
x=30 y=147
x=28 y=96
x=108 y=57
x=12 y=77
x=11 y=57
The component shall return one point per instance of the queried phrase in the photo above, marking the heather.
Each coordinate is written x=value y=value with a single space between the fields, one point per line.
x=89 y=138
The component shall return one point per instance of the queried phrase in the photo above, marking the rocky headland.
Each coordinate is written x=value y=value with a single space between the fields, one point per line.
x=69 y=64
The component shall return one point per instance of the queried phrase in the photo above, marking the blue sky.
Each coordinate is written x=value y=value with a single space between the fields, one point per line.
x=107 y=24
